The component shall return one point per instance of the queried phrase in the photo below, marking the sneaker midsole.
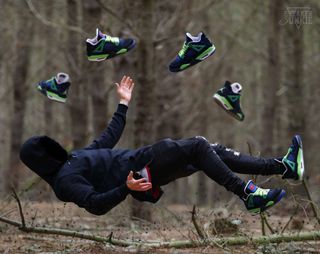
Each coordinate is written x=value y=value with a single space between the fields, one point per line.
x=98 y=57
x=55 y=97
x=300 y=162
x=223 y=101
x=208 y=52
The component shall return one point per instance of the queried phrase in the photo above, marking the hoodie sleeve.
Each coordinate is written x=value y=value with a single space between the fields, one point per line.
x=111 y=135
x=79 y=191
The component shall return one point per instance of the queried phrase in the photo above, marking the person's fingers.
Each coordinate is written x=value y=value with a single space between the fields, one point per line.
x=144 y=184
x=123 y=80
x=127 y=80
x=140 y=180
x=130 y=176
x=117 y=85
x=145 y=187
x=130 y=83
x=131 y=87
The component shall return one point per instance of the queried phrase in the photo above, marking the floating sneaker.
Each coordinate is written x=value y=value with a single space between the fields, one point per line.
x=293 y=160
x=194 y=50
x=103 y=46
x=228 y=98
x=258 y=199
x=55 y=88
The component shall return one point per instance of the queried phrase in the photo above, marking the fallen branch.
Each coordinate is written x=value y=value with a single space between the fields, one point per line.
x=239 y=240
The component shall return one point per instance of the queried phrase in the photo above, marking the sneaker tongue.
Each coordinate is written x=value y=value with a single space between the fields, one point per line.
x=236 y=88
x=197 y=38
x=62 y=78
x=188 y=39
x=99 y=34
x=250 y=188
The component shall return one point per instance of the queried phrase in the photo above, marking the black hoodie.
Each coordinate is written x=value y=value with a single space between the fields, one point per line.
x=94 y=177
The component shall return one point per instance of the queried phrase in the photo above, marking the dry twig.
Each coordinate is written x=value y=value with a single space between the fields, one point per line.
x=50 y=23
x=313 y=206
x=15 y=196
x=195 y=223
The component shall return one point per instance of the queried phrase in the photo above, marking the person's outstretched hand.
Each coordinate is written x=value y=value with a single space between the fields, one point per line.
x=124 y=90
x=137 y=185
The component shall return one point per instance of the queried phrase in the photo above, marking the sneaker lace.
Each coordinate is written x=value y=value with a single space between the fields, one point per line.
x=183 y=50
x=261 y=192
x=114 y=40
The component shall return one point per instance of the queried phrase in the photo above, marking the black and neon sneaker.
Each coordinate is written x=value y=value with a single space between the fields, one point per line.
x=194 y=50
x=228 y=97
x=258 y=200
x=55 y=88
x=103 y=46
x=293 y=161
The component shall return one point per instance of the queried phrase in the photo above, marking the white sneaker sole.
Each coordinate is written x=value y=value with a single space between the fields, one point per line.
x=208 y=54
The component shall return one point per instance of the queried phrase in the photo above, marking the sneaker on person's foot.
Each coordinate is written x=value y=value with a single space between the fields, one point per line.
x=228 y=97
x=55 y=88
x=103 y=46
x=258 y=200
x=293 y=160
x=195 y=49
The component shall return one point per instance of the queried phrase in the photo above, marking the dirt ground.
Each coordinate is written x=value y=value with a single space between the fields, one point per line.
x=168 y=223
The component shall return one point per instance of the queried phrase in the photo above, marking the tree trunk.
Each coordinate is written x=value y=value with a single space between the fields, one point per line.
x=96 y=77
x=22 y=48
x=272 y=78
x=79 y=98
x=145 y=92
x=294 y=79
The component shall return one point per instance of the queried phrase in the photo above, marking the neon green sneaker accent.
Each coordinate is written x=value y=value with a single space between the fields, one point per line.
x=300 y=162
x=114 y=40
x=52 y=83
x=182 y=67
x=260 y=192
x=121 y=51
x=224 y=101
x=206 y=52
x=290 y=163
x=55 y=97
x=183 y=50
x=97 y=57
x=100 y=47
x=233 y=98
x=270 y=203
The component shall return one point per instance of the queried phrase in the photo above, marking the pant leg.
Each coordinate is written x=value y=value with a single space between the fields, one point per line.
x=172 y=156
x=246 y=164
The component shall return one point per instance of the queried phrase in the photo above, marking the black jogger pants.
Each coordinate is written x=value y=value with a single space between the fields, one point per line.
x=174 y=159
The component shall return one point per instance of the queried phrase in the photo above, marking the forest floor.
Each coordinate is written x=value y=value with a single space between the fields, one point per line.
x=169 y=223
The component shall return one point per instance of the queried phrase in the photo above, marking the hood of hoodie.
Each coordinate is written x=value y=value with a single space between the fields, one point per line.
x=44 y=156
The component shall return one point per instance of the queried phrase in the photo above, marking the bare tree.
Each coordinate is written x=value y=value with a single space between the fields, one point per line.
x=294 y=77
x=22 y=47
x=145 y=92
x=79 y=97
x=272 y=78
